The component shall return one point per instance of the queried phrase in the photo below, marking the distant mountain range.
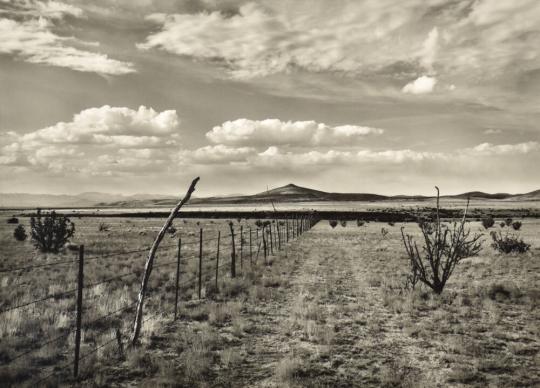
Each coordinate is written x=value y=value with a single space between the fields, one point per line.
x=288 y=193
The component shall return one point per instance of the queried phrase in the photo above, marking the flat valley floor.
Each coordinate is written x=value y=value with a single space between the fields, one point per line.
x=331 y=311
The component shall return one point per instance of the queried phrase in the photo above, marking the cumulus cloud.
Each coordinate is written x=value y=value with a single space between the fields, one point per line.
x=31 y=39
x=421 y=85
x=98 y=131
x=294 y=133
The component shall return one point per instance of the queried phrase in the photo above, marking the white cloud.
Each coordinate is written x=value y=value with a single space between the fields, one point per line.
x=95 y=132
x=421 y=85
x=260 y=40
x=33 y=40
x=296 y=133
x=506 y=149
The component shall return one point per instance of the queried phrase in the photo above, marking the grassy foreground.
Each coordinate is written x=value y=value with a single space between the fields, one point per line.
x=331 y=310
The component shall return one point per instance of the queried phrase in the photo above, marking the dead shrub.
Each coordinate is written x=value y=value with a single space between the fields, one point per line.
x=444 y=247
x=509 y=243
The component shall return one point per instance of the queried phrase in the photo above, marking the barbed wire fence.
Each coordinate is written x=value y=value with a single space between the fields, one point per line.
x=244 y=246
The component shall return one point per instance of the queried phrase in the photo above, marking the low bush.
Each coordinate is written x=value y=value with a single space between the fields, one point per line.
x=509 y=221
x=51 y=232
x=360 y=222
x=508 y=243
x=343 y=223
x=488 y=222
x=13 y=220
x=20 y=233
x=516 y=225
x=333 y=223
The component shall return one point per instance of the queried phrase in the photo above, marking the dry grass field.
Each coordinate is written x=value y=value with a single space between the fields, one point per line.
x=330 y=310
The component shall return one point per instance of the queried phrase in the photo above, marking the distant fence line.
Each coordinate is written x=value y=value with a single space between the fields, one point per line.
x=386 y=215
x=246 y=245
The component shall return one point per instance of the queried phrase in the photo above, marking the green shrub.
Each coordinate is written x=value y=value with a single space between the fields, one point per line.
x=509 y=243
x=20 y=233
x=51 y=232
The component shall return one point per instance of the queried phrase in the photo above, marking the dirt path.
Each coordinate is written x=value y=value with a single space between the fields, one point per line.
x=317 y=332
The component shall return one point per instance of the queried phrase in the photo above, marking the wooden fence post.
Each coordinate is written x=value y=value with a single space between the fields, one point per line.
x=233 y=252
x=264 y=243
x=287 y=229
x=178 y=256
x=150 y=263
x=242 y=248
x=217 y=257
x=278 y=234
x=271 y=239
x=200 y=261
x=250 y=249
x=80 y=286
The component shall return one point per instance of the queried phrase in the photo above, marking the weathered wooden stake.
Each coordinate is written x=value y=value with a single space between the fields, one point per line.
x=200 y=261
x=233 y=252
x=178 y=256
x=217 y=257
x=279 y=234
x=250 y=249
x=150 y=262
x=271 y=239
x=264 y=243
x=80 y=285
x=242 y=248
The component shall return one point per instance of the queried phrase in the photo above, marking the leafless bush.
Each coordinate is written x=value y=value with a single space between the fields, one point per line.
x=444 y=247
x=509 y=243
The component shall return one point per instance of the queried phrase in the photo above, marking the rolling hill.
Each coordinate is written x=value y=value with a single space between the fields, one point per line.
x=289 y=193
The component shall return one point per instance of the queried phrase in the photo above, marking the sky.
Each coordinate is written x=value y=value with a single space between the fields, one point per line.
x=380 y=96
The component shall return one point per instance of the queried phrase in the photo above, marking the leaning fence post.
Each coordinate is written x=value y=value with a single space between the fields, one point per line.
x=200 y=261
x=137 y=322
x=178 y=256
x=217 y=257
x=233 y=252
x=80 y=285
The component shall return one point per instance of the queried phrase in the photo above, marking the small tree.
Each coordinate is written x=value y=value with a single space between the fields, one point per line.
x=20 y=233
x=444 y=247
x=51 y=232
